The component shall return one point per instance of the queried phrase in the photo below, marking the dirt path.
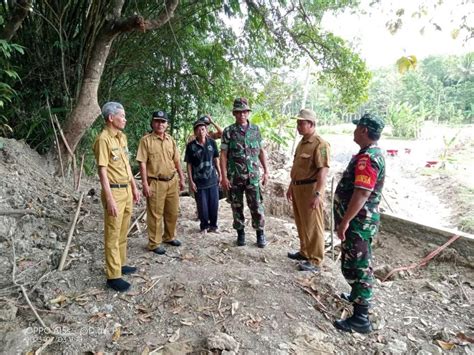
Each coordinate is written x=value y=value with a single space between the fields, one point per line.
x=207 y=294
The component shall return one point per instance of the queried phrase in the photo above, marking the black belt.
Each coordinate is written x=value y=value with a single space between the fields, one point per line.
x=303 y=182
x=162 y=178
x=118 y=186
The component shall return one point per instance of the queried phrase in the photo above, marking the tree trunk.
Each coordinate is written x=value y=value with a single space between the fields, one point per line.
x=87 y=108
x=22 y=9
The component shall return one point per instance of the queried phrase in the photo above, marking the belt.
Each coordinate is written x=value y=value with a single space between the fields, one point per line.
x=162 y=178
x=118 y=186
x=303 y=182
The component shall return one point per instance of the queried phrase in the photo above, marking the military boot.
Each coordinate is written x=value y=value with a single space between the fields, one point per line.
x=261 y=241
x=358 y=322
x=240 y=237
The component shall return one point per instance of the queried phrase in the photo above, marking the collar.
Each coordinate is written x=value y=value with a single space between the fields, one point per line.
x=155 y=136
x=311 y=139
x=113 y=132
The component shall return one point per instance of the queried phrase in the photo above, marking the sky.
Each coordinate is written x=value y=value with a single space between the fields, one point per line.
x=374 y=42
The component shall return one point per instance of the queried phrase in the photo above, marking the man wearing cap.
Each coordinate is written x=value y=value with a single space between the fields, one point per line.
x=162 y=180
x=357 y=217
x=204 y=175
x=208 y=121
x=306 y=190
x=241 y=151
x=118 y=190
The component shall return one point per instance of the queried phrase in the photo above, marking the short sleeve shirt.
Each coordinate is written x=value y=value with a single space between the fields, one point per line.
x=201 y=158
x=366 y=170
x=243 y=144
x=160 y=155
x=111 y=151
x=311 y=155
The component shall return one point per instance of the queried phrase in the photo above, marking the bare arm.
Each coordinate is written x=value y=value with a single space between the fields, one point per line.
x=262 y=156
x=192 y=185
x=218 y=168
x=219 y=130
x=109 y=198
x=358 y=199
x=181 y=175
x=320 y=186
x=143 y=173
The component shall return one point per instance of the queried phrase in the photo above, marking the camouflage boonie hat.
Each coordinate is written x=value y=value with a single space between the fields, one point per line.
x=159 y=115
x=306 y=115
x=241 y=104
x=373 y=123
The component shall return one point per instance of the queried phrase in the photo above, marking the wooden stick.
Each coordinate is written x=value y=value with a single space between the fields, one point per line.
x=44 y=346
x=73 y=157
x=80 y=174
x=22 y=288
x=136 y=221
x=332 y=218
x=71 y=232
x=56 y=139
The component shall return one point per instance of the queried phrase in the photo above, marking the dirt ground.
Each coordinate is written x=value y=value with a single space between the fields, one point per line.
x=210 y=296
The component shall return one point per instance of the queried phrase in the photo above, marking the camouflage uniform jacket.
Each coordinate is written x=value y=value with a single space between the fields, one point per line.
x=243 y=146
x=366 y=170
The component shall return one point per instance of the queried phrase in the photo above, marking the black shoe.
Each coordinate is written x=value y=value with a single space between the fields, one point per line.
x=174 y=242
x=119 y=285
x=261 y=241
x=160 y=250
x=126 y=270
x=358 y=322
x=297 y=256
x=307 y=266
x=346 y=297
x=240 y=238
x=213 y=230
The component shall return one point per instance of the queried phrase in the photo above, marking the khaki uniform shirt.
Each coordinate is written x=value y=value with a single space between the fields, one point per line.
x=160 y=155
x=310 y=155
x=111 y=150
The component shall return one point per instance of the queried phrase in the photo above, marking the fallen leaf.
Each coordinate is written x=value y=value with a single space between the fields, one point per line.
x=235 y=307
x=97 y=316
x=188 y=322
x=60 y=299
x=465 y=338
x=291 y=316
x=175 y=336
x=116 y=334
x=444 y=345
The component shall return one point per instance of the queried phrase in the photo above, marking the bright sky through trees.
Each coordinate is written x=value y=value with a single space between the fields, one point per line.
x=427 y=28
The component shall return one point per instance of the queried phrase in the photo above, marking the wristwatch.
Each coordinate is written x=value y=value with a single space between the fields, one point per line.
x=316 y=194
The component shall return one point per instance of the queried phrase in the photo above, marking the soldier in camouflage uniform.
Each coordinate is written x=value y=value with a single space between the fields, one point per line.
x=356 y=211
x=241 y=151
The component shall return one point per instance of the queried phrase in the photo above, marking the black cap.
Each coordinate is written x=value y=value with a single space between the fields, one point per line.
x=159 y=115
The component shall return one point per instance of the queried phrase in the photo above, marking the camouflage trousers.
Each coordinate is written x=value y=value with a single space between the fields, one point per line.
x=254 y=202
x=356 y=260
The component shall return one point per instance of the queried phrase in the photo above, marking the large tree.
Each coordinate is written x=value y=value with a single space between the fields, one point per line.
x=73 y=45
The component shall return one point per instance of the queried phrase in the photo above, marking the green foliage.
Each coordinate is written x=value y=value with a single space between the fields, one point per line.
x=8 y=75
x=404 y=119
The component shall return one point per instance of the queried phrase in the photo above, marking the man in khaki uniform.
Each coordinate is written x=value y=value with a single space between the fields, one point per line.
x=162 y=179
x=308 y=180
x=118 y=187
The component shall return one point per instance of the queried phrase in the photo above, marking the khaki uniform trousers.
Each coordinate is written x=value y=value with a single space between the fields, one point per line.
x=162 y=211
x=310 y=224
x=115 y=231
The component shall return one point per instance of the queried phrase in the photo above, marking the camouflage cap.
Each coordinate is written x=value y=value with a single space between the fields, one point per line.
x=306 y=115
x=373 y=123
x=159 y=115
x=241 y=104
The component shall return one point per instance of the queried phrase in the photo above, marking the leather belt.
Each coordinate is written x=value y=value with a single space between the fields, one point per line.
x=303 y=182
x=162 y=178
x=118 y=186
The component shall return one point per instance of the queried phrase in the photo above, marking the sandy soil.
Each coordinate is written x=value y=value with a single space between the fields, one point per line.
x=208 y=296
